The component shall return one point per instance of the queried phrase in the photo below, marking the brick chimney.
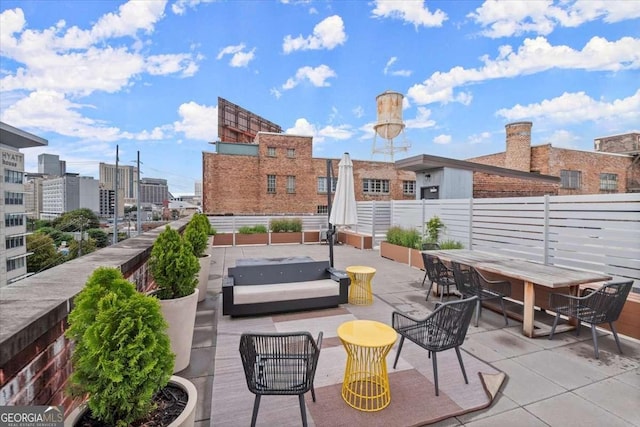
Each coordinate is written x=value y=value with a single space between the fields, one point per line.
x=518 y=154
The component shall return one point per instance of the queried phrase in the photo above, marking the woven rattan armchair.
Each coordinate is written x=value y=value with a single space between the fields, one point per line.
x=443 y=329
x=280 y=364
x=472 y=284
x=595 y=307
x=437 y=273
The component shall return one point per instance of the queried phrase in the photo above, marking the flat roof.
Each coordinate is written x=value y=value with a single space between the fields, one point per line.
x=18 y=138
x=426 y=162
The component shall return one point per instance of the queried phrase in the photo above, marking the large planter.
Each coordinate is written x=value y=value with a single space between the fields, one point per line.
x=180 y=314
x=186 y=419
x=223 y=239
x=252 y=239
x=286 y=237
x=394 y=252
x=203 y=276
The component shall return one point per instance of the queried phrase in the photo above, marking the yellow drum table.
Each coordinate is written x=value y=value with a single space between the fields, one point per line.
x=360 y=288
x=366 y=383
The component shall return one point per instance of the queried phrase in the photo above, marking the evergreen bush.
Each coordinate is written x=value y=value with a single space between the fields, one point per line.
x=434 y=226
x=197 y=234
x=122 y=355
x=173 y=265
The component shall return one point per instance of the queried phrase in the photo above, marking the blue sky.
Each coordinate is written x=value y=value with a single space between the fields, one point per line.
x=146 y=75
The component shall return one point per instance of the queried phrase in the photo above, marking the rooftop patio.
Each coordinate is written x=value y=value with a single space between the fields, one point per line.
x=555 y=383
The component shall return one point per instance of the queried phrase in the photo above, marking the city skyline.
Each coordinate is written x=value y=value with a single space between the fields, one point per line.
x=146 y=75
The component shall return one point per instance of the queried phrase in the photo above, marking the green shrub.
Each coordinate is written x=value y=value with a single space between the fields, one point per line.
x=197 y=234
x=245 y=229
x=173 y=265
x=409 y=238
x=451 y=244
x=285 y=225
x=434 y=226
x=122 y=355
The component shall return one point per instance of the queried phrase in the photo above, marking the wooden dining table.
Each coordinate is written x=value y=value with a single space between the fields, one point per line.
x=533 y=274
x=536 y=274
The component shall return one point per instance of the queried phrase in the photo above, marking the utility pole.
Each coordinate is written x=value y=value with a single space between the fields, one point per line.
x=138 y=217
x=115 y=207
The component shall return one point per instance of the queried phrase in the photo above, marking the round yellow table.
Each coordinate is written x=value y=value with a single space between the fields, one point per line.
x=360 y=288
x=366 y=382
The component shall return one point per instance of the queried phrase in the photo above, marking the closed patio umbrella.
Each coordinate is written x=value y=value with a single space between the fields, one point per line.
x=344 y=209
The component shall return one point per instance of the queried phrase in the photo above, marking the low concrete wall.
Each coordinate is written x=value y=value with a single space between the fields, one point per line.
x=35 y=357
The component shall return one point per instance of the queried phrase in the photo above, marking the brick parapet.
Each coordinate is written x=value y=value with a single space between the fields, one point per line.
x=35 y=356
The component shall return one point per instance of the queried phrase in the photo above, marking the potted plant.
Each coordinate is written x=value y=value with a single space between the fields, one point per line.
x=286 y=230
x=433 y=228
x=252 y=235
x=122 y=358
x=197 y=234
x=174 y=266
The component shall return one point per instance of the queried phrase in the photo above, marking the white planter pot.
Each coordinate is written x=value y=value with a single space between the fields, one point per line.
x=186 y=419
x=203 y=276
x=180 y=314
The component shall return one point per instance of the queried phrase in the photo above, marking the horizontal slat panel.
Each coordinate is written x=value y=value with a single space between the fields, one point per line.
x=604 y=206
x=607 y=216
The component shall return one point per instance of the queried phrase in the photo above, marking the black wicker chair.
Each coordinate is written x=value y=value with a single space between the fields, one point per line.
x=427 y=247
x=280 y=364
x=443 y=329
x=437 y=273
x=472 y=284
x=595 y=307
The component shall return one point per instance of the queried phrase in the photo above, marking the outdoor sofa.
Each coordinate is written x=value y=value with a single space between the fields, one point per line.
x=281 y=287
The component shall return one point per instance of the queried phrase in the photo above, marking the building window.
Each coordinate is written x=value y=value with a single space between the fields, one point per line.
x=291 y=184
x=271 y=151
x=13 y=220
x=409 y=188
x=322 y=209
x=375 y=186
x=271 y=183
x=570 y=179
x=322 y=184
x=291 y=152
x=608 y=182
x=14 y=264
x=13 y=177
x=11 y=198
x=14 y=242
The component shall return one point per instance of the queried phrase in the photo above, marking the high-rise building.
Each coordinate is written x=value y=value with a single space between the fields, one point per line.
x=127 y=176
x=67 y=193
x=13 y=221
x=198 y=189
x=51 y=165
x=153 y=190
x=33 y=194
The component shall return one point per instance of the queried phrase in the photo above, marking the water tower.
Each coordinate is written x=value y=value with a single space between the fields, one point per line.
x=389 y=125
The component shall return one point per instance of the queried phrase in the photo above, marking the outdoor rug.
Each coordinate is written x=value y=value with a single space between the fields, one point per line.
x=413 y=399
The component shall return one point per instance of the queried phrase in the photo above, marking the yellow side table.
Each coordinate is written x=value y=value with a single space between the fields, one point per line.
x=366 y=382
x=360 y=288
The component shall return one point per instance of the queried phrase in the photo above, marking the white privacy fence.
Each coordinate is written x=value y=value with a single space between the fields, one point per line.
x=592 y=232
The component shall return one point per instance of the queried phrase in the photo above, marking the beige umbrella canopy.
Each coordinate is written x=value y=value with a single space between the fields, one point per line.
x=344 y=210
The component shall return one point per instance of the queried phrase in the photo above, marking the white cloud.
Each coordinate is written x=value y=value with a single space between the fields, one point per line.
x=358 y=111
x=79 y=62
x=303 y=128
x=316 y=76
x=577 y=107
x=401 y=73
x=479 y=138
x=564 y=138
x=442 y=139
x=534 y=56
x=422 y=120
x=516 y=17
x=239 y=58
x=328 y=34
x=341 y=132
x=198 y=121
x=412 y=11
x=180 y=6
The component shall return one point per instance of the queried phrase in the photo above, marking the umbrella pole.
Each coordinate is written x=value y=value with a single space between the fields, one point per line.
x=330 y=230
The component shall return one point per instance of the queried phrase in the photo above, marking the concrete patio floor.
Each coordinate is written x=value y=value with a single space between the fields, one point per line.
x=550 y=383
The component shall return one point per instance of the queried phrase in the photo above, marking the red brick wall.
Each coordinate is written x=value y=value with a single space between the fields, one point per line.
x=518 y=154
x=237 y=184
x=486 y=185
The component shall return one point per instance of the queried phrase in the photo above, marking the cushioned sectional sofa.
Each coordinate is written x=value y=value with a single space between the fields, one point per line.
x=280 y=287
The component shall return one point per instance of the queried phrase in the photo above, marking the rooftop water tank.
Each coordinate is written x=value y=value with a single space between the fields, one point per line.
x=389 y=124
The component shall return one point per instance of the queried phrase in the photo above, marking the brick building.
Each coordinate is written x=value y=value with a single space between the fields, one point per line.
x=277 y=174
x=615 y=168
